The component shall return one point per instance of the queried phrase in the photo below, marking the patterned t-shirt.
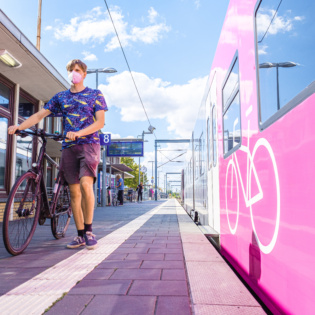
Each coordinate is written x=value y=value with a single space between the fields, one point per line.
x=78 y=112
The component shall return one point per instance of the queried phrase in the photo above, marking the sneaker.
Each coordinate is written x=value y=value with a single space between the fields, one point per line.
x=77 y=242
x=90 y=240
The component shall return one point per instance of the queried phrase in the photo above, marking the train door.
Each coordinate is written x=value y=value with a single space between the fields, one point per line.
x=213 y=169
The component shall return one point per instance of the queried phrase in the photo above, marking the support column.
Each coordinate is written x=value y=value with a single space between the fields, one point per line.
x=155 y=170
x=14 y=140
x=104 y=178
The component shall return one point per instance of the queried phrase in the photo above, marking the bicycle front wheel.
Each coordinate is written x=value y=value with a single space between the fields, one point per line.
x=62 y=212
x=21 y=214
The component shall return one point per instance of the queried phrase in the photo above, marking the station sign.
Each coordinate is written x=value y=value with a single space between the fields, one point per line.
x=125 y=149
x=105 y=139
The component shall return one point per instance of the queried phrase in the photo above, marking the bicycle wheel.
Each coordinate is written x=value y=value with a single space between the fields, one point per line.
x=21 y=214
x=232 y=201
x=265 y=213
x=61 y=214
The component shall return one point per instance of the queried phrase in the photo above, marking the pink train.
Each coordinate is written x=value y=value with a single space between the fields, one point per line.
x=249 y=177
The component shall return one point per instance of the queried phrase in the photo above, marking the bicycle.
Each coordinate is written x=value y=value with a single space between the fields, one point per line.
x=114 y=199
x=28 y=202
x=233 y=171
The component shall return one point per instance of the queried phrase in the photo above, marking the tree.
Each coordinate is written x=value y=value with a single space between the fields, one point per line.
x=133 y=182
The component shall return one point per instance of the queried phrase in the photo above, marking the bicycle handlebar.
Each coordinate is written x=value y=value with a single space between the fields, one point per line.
x=40 y=133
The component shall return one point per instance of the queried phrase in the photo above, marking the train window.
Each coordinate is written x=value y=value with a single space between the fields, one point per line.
x=284 y=71
x=214 y=135
x=209 y=143
x=231 y=110
x=201 y=154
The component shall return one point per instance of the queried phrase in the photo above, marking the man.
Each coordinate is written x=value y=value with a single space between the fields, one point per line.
x=120 y=187
x=139 y=190
x=83 y=111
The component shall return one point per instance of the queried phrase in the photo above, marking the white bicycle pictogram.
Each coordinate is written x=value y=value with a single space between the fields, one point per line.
x=233 y=167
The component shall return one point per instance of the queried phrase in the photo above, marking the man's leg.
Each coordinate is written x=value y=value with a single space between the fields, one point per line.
x=86 y=186
x=75 y=194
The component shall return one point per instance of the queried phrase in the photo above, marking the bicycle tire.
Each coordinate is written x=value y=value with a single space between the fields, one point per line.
x=21 y=214
x=61 y=214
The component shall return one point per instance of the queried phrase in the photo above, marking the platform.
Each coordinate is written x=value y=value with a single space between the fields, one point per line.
x=151 y=259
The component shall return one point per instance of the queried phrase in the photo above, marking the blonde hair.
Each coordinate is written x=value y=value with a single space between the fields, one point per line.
x=118 y=176
x=71 y=64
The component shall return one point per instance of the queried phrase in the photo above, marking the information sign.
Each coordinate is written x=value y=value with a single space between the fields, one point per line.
x=125 y=148
x=105 y=139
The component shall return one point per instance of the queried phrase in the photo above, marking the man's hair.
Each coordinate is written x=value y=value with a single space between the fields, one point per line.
x=71 y=64
x=118 y=176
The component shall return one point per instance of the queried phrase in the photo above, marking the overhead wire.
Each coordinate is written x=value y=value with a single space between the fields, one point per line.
x=122 y=49
x=270 y=22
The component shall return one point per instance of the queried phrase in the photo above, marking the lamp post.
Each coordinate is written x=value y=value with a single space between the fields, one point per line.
x=97 y=71
x=151 y=130
x=287 y=64
x=102 y=70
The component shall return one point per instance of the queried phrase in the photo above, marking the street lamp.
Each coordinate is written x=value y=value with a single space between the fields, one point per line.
x=151 y=130
x=277 y=65
x=97 y=71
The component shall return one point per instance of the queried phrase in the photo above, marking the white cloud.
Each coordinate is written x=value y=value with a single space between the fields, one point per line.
x=48 y=28
x=152 y=15
x=88 y=56
x=178 y=104
x=197 y=3
x=96 y=26
x=279 y=24
x=262 y=50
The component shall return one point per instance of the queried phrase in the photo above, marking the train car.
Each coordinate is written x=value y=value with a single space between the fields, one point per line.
x=250 y=170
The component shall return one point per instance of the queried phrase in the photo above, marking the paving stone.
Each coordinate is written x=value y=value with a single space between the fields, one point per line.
x=174 y=245
x=145 y=257
x=71 y=305
x=101 y=287
x=163 y=264
x=158 y=245
x=165 y=251
x=173 y=274
x=121 y=305
x=159 y=287
x=119 y=264
x=137 y=274
x=119 y=256
x=132 y=250
x=174 y=257
x=228 y=309
x=173 y=305
x=101 y=274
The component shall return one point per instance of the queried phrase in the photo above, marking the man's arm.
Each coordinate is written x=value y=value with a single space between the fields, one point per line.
x=33 y=120
x=96 y=126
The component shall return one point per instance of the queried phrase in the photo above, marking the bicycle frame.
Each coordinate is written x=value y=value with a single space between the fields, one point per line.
x=249 y=163
x=38 y=171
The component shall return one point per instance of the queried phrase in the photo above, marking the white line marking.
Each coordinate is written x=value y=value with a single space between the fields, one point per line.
x=39 y=293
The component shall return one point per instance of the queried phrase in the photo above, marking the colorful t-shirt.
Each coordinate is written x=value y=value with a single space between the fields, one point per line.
x=78 y=112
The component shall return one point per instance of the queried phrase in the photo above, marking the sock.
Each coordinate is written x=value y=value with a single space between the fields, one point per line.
x=87 y=227
x=80 y=233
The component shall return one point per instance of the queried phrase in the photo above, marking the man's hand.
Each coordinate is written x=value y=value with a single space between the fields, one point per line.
x=12 y=130
x=73 y=135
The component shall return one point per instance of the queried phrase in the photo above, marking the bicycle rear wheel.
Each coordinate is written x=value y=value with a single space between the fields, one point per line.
x=62 y=212
x=21 y=214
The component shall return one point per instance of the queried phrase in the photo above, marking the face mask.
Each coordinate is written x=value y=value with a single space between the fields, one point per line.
x=75 y=77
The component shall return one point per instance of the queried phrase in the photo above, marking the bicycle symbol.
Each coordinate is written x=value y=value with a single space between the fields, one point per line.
x=233 y=176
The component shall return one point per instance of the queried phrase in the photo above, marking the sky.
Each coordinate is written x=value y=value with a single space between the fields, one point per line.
x=169 y=46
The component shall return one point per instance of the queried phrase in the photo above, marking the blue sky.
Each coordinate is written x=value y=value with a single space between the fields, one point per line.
x=169 y=46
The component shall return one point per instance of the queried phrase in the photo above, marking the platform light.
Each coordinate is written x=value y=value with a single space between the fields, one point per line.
x=8 y=59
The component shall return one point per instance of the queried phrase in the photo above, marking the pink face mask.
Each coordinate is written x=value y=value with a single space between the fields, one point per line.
x=75 y=77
